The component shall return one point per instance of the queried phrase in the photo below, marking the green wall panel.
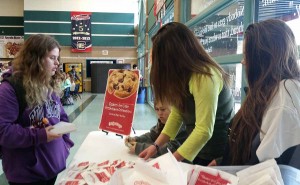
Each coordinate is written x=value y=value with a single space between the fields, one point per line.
x=65 y=40
x=46 y=16
x=113 y=17
x=113 y=29
x=11 y=31
x=168 y=2
x=47 y=27
x=150 y=11
x=66 y=28
x=113 y=41
x=150 y=4
x=11 y=21
x=65 y=16
x=151 y=20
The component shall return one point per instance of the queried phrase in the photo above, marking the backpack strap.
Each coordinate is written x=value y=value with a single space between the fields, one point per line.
x=20 y=94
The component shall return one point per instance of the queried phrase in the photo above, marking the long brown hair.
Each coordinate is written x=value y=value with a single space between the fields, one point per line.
x=270 y=54
x=176 y=54
x=29 y=66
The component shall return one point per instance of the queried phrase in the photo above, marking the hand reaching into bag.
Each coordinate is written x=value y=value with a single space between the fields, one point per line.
x=130 y=142
x=131 y=147
x=129 y=139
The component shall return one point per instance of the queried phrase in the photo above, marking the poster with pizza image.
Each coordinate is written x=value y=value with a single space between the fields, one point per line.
x=120 y=100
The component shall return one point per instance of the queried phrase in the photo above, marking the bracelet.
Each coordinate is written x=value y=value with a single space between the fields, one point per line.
x=156 y=146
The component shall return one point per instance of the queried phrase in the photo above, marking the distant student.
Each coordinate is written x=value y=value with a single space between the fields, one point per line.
x=67 y=81
x=139 y=143
x=134 y=66
x=74 y=75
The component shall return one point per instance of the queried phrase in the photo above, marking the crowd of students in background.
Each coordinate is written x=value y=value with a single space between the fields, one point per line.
x=69 y=87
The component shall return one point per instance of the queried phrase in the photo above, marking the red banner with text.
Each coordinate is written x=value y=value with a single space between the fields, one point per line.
x=120 y=100
x=81 y=32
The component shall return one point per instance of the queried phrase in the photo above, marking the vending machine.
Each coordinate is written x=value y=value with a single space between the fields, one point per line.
x=78 y=68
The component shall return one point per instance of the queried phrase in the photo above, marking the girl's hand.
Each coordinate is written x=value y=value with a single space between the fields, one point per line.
x=51 y=136
x=178 y=156
x=129 y=139
x=148 y=152
x=213 y=163
x=132 y=147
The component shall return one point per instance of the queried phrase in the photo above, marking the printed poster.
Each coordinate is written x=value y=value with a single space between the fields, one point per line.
x=120 y=100
x=81 y=32
x=10 y=46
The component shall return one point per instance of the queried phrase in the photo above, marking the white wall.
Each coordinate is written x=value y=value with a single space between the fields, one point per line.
x=122 y=6
x=17 y=7
x=11 y=8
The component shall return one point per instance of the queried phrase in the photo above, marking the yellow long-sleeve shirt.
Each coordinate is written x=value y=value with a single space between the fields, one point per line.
x=205 y=90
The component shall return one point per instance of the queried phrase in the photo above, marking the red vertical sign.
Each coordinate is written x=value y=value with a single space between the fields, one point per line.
x=119 y=102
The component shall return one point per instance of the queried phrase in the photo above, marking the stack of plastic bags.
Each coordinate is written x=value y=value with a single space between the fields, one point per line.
x=85 y=173
x=165 y=170
x=266 y=173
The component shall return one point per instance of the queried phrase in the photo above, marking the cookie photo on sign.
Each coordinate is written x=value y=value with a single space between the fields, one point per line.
x=122 y=83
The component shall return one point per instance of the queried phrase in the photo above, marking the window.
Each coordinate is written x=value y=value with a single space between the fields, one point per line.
x=235 y=72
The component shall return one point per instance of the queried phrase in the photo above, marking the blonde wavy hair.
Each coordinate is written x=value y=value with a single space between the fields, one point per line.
x=29 y=67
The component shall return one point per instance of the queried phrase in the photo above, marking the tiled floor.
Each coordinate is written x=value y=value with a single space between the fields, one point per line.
x=86 y=114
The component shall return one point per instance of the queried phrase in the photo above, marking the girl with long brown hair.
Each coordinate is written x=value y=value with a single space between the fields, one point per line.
x=196 y=87
x=268 y=124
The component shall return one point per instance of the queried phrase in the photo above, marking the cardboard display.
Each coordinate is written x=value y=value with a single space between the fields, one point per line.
x=120 y=100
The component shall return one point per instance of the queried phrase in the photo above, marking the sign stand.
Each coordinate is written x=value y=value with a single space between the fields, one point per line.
x=133 y=130
x=119 y=135
x=106 y=132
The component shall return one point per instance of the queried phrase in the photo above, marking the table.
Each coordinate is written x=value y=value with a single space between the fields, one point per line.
x=99 y=146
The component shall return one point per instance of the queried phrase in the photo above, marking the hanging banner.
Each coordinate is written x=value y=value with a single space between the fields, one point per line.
x=81 y=32
x=120 y=100
x=10 y=46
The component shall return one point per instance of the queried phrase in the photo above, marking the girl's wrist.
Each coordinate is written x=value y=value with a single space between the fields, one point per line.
x=156 y=146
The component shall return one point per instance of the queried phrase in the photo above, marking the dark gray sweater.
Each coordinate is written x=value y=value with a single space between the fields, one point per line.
x=145 y=140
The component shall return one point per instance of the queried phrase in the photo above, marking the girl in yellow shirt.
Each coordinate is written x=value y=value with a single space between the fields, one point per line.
x=184 y=75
